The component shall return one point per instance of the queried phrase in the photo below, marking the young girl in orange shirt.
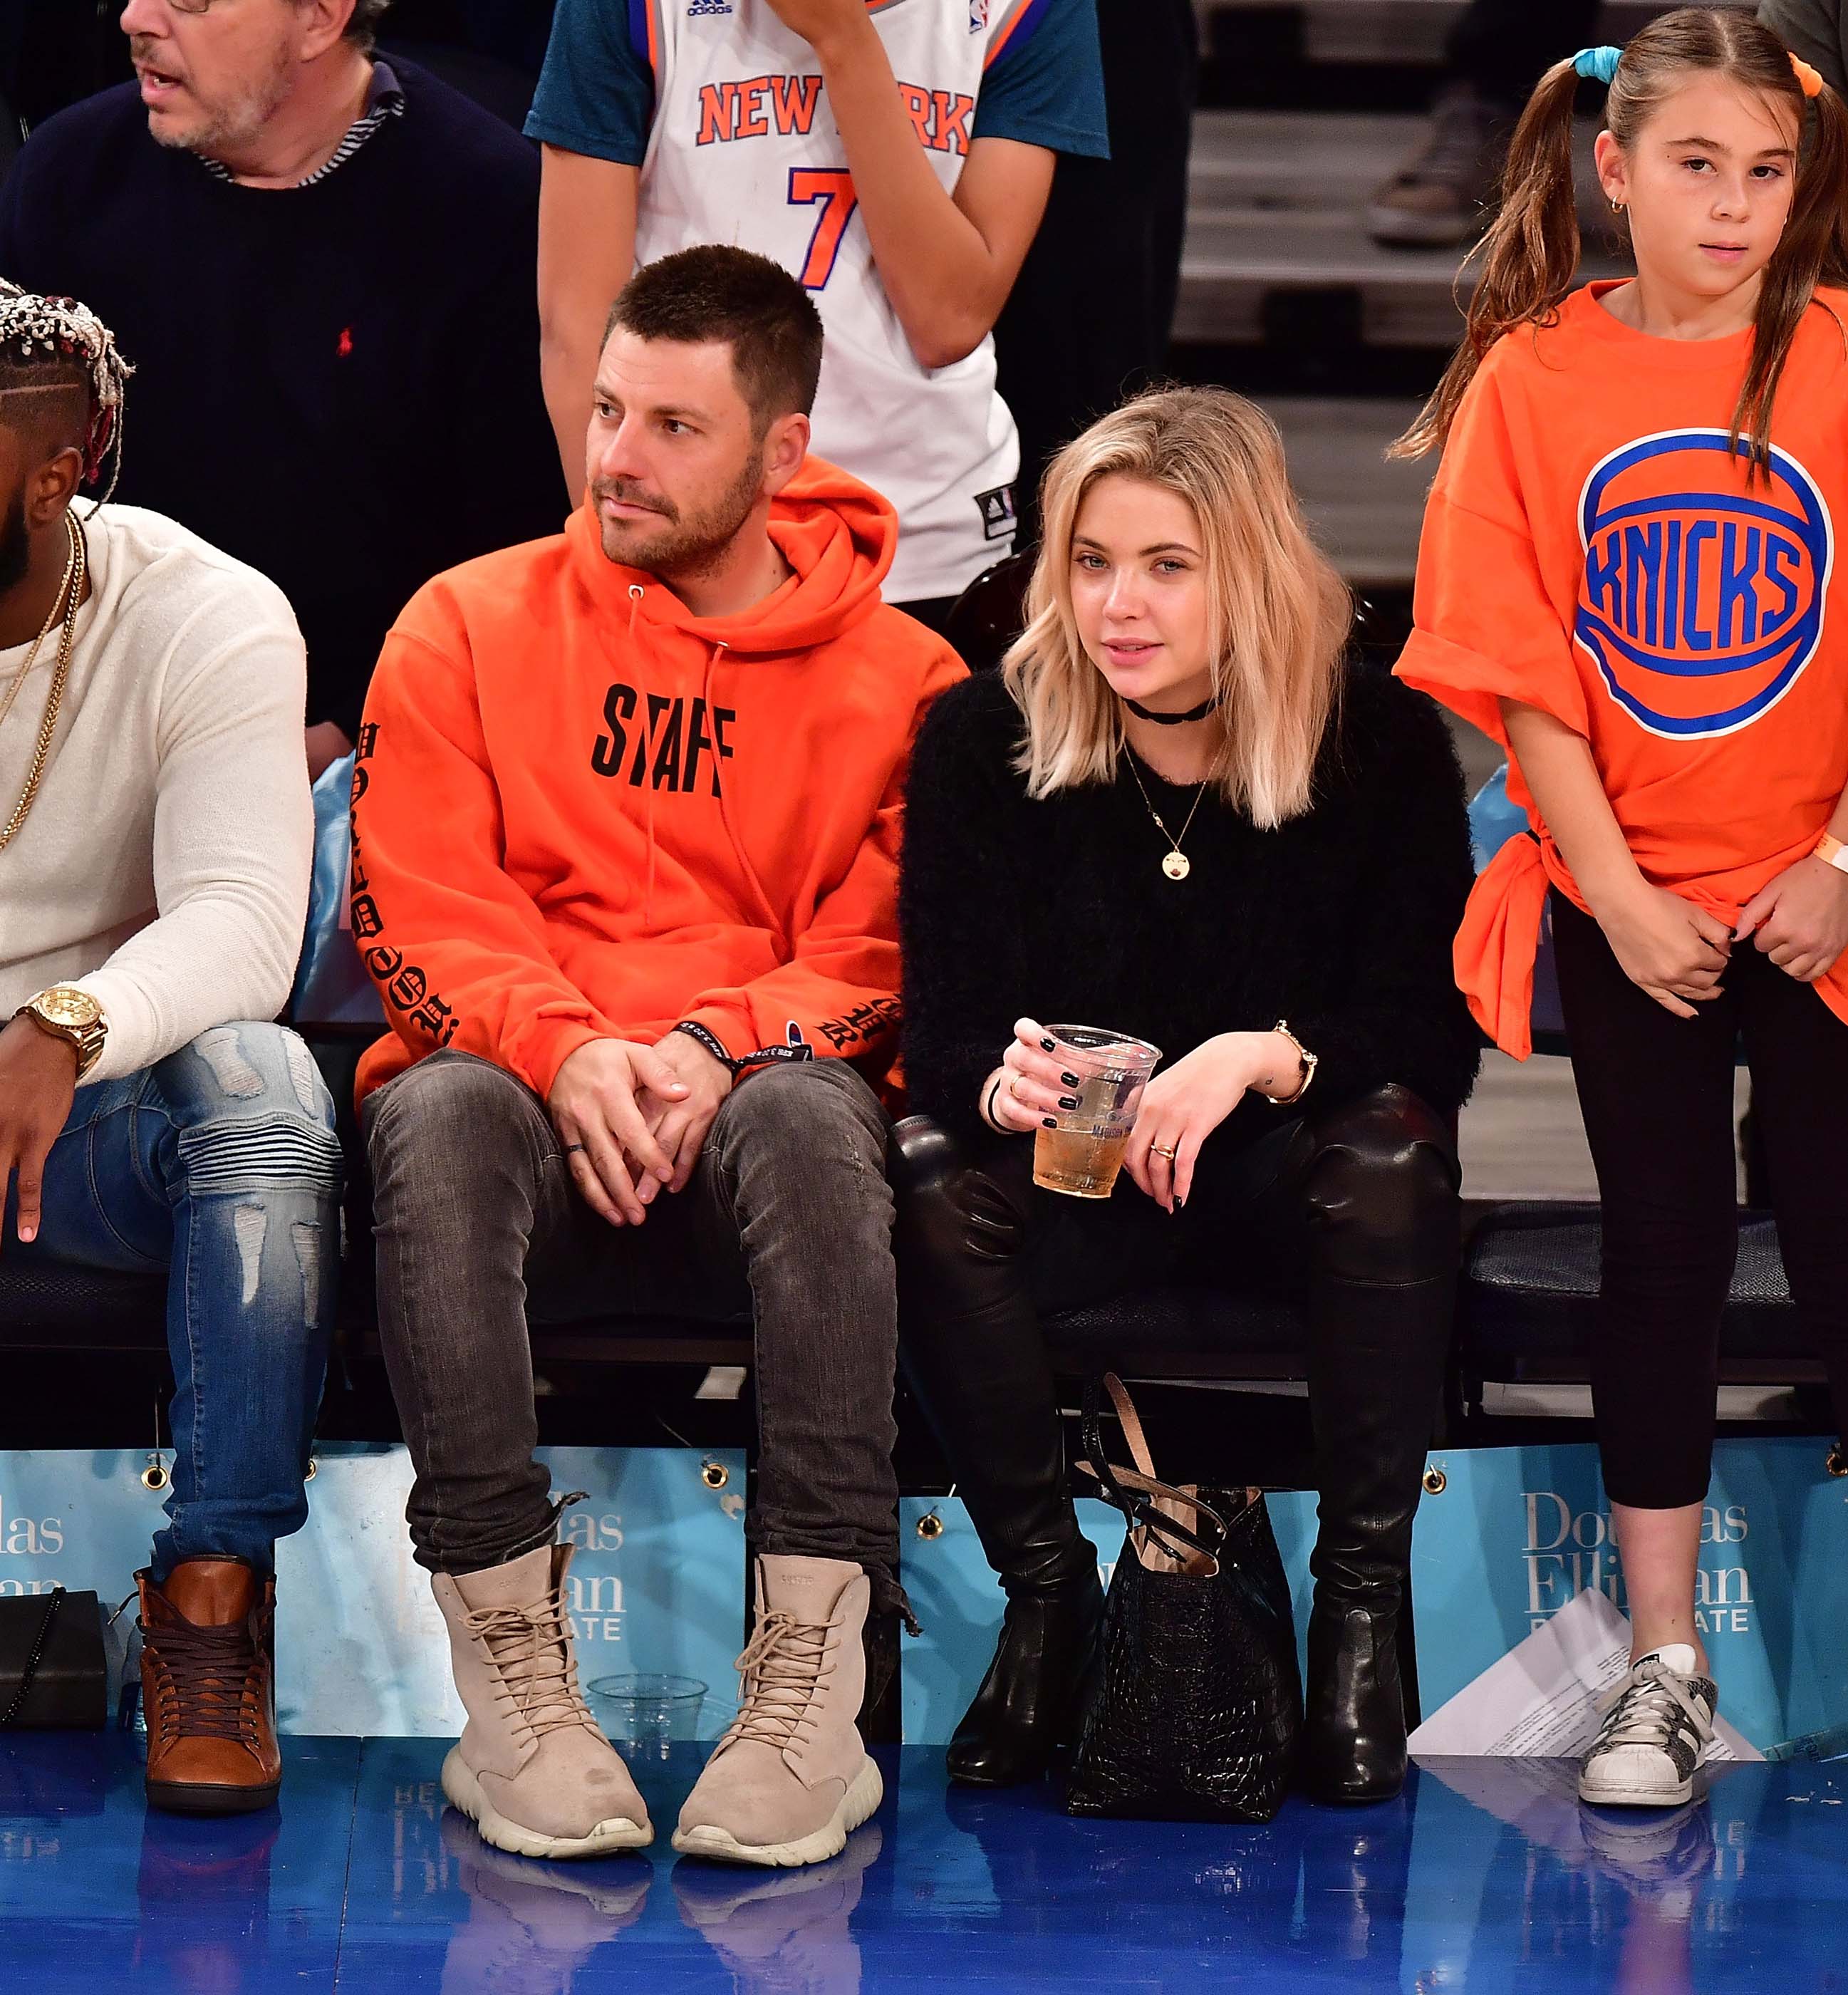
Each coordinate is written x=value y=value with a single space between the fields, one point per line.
x=1628 y=577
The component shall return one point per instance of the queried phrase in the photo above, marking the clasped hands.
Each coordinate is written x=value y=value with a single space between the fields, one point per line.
x=1179 y=1108
x=634 y=1118
x=1678 y=952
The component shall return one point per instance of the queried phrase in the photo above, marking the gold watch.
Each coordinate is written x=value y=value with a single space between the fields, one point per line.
x=67 y=1013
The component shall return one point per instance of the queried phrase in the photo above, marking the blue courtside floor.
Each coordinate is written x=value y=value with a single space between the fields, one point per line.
x=1486 y=1876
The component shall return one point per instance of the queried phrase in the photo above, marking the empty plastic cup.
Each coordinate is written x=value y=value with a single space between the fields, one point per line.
x=647 y=1709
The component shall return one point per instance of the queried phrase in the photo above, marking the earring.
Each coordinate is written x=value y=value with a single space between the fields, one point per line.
x=1616 y=207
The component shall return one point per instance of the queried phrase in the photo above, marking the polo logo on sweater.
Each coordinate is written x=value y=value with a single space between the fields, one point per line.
x=667 y=746
x=1703 y=595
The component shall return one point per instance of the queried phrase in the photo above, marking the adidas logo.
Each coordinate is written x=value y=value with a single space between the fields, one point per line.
x=696 y=8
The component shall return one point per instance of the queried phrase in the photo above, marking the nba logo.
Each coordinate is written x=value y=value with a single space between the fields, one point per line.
x=978 y=16
x=1703 y=594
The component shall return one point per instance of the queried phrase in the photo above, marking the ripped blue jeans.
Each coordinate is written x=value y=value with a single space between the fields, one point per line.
x=220 y=1165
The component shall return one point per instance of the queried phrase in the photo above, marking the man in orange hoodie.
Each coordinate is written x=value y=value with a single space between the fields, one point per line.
x=626 y=827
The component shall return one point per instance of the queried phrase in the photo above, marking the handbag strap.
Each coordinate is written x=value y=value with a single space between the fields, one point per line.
x=33 y=1659
x=1137 y=1492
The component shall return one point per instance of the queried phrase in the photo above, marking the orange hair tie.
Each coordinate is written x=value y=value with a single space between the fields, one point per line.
x=1809 y=77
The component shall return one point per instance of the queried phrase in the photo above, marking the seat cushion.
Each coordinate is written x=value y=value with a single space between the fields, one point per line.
x=43 y=1306
x=1530 y=1300
x=1182 y=1333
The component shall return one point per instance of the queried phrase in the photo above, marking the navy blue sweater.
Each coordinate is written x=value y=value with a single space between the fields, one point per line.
x=338 y=383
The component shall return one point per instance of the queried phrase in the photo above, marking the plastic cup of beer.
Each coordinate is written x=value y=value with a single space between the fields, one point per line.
x=1082 y=1153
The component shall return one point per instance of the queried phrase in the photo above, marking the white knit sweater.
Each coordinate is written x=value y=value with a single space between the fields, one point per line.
x=164 y=867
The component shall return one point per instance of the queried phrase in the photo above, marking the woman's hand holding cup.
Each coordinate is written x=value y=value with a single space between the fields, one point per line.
x=1033 y=1087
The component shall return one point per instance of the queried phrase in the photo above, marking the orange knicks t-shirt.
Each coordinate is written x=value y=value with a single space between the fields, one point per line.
x=1592 y=548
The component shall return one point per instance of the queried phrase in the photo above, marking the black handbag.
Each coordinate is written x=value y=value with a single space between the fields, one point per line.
x=1201 y=1703
x=53 y=1672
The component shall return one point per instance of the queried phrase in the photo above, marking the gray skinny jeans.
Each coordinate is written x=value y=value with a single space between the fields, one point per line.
x=788 y=1214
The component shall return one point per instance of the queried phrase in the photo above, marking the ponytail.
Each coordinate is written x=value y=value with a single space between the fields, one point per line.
x=1530 y=254
x=1813 y=250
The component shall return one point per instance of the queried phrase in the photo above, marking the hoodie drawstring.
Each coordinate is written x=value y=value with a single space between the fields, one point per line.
x=648 y=732
x=764 y=905
x=737 y=846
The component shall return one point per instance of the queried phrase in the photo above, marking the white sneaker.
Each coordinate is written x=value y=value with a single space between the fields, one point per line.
x=1658 y=1721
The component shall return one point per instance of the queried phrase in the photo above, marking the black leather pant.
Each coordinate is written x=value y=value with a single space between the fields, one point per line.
x=1353 y=1205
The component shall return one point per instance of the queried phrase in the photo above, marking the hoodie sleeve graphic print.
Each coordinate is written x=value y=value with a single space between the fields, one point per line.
x=1592 y=547
x=581 y=812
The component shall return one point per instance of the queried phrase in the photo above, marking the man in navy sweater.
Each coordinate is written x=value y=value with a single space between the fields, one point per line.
x=321 y=266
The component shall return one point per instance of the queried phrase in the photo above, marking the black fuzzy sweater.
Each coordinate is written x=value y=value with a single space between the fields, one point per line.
x=1340 y=921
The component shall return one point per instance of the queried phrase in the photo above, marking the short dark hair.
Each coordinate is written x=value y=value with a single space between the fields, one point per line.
x=713 y=292
x=362 y=25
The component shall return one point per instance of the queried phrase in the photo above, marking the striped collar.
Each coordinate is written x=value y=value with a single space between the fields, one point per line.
x=384 y=100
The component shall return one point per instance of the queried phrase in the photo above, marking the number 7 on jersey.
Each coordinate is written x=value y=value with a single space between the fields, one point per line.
x=833 y=187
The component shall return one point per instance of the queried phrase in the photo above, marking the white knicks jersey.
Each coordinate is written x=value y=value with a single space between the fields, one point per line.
x=743 y=148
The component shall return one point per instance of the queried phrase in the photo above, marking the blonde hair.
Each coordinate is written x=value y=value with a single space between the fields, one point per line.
x=1278 y=613
x=1530 y=254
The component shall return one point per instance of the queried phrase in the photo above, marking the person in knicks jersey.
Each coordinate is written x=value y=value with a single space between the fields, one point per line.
x=895 y=155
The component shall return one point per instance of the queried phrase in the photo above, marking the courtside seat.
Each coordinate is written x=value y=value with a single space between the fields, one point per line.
x=72 y=1309
x=1530 y=1303
x=1182 y=1333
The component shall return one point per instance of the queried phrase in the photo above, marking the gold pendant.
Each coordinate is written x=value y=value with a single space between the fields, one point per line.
x=1175 y=866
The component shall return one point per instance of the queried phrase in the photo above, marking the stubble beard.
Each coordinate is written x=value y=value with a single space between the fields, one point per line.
x=684 y=545
x=231 y=126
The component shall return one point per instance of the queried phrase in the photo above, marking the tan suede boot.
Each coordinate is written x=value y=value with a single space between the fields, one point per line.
x=790 y=1779
x=531 y=1769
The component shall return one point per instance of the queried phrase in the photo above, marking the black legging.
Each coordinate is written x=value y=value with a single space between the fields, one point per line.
x=1656 y=1094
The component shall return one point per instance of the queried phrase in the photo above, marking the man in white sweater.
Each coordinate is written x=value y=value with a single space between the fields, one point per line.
x=155 y=836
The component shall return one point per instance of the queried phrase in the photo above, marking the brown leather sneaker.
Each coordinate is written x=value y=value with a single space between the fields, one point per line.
x=208 y=1687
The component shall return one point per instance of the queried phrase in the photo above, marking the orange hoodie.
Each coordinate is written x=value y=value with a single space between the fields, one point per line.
x=580 y=812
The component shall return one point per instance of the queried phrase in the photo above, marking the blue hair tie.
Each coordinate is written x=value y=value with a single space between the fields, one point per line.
x=1600 y=64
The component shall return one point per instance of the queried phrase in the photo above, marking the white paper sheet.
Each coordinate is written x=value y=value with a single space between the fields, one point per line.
x=1541 y=1699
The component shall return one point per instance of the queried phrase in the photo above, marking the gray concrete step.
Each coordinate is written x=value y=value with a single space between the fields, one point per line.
x=1394 y=33
x=1366 y=511
x=1275 y=206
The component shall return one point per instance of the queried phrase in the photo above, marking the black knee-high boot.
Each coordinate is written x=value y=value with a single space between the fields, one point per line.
x=1383 y=1220
x=971 y=1347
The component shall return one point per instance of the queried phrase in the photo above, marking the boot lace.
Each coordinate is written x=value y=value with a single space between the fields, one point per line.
x=204 y=1675
x=782 y=1667
x=1641 y=1711
x=535 y=1668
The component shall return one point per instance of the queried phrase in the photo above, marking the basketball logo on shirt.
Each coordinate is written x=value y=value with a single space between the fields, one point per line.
x=1703 y=594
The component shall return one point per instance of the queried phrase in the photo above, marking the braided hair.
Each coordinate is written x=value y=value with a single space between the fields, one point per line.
x=58 y=344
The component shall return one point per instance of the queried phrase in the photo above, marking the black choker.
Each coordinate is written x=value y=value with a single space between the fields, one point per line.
x=1199 y=712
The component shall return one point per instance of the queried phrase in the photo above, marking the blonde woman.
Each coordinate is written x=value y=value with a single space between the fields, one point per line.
x=1181 y=811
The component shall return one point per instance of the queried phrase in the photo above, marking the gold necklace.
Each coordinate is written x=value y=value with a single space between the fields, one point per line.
x=51 y=616
x=69 y=595
x=1177 y=865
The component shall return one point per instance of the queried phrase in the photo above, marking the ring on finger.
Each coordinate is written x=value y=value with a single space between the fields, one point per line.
x=1161 y=1150
x=572 y=1149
